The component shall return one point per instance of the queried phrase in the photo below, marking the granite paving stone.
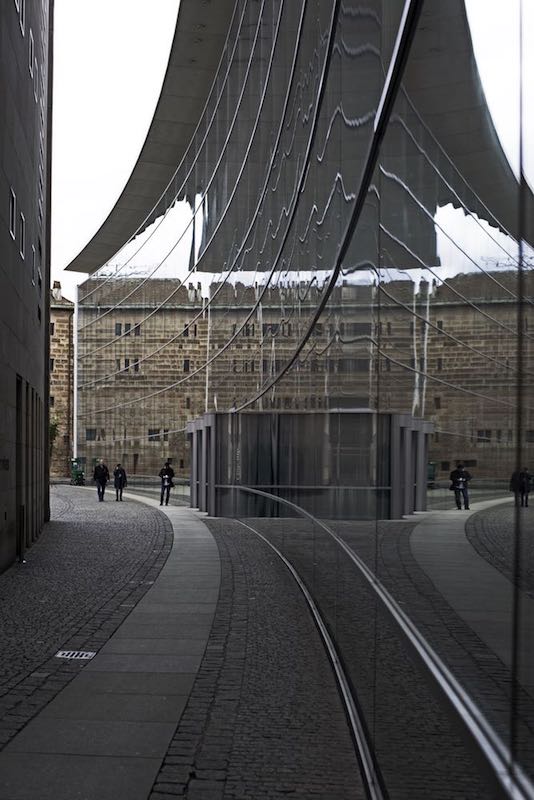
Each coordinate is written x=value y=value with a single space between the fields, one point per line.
x=242 y=704
x=264 y=713
x=91 y=566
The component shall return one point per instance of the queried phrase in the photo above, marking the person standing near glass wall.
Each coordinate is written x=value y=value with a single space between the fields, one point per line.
x=166 y=474
x=520 y=486
x=460 y=478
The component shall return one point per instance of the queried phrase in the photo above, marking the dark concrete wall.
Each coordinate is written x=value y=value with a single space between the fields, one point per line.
x=25 y=83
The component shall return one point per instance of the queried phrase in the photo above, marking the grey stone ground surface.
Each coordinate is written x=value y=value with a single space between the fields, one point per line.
x=263 y=719
x=420 y=753
x=92 y=564
x=492 y=535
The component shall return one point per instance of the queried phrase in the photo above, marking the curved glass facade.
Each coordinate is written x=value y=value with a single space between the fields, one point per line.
x=328 y=311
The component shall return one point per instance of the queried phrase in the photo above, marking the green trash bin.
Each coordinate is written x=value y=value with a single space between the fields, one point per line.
x=77 y=475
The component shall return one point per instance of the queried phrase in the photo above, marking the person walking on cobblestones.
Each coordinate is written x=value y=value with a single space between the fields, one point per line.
x=119 y=475
x=101 y=477
x=460 y=478
x=520 y=485
x=166 y=474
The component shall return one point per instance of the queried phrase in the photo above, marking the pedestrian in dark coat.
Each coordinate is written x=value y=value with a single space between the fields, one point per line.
x=166 y=474
x=119 y=475
x=101 y=477
x=460 y=478
x=520 y=485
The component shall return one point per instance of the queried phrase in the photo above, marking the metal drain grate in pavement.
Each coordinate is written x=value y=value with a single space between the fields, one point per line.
x=80 y=655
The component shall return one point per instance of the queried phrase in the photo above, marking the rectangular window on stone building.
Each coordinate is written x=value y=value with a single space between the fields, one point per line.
x=361 y=328
x=118 y=364
x=440 y=324
x=118 y=328
x=437 y=402
x=187 y=365
x=136 y=365
x=188 y=402
x=186 y=330
x=51 y=365
x=440 y=364
x=165 y=434
x=153 y=435
x=90 y=434
x=126 y=364
x=137 y=329
x=52 y=400
x=52 y=328
x=127 y=328
x=484 y=435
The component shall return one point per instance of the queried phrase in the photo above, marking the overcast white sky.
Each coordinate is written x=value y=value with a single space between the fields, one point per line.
x=109 y=62
x=110 y=59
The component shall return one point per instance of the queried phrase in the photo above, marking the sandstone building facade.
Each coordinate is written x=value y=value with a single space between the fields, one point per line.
x=61 y=382
x=407 y=348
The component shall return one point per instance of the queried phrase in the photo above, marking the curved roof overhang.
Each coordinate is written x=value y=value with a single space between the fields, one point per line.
x=201 y=30
x=444 y=85
x=441 y=80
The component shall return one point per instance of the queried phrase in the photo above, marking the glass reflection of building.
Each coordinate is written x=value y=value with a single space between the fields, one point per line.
x=335 y=314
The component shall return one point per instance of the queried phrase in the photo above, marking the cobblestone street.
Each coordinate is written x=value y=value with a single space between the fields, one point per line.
x=264 y=719
x=241 y=701
x=92 y=564
x=491 y=534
